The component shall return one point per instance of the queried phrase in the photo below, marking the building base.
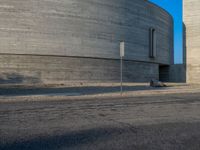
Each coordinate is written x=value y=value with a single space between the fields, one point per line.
x=32 y=69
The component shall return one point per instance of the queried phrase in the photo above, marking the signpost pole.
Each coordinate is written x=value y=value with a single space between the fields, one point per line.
x=121 y=75
x=122 y=53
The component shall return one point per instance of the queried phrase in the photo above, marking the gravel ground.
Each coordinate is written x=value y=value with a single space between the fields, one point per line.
x=151 y=122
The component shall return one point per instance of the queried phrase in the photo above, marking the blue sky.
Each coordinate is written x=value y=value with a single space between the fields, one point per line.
x=174 y=7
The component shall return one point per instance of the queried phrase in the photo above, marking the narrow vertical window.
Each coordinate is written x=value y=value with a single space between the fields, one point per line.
x=152 y=43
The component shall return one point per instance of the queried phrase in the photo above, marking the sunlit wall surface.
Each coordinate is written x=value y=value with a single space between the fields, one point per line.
x=192 y=39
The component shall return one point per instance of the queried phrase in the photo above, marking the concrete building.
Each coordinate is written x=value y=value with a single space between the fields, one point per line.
x=191 y=17
x=56 y=41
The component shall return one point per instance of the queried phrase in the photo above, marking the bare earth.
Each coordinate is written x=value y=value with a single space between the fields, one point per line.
x=162 y=121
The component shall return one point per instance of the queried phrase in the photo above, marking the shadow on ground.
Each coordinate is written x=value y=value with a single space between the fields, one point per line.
x=179 y=136
x=67 y=140
x=71 y=91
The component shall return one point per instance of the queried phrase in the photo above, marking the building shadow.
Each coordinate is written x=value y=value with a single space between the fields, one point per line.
x=66 y=140
x=127 y=138
x=72 y=91
x=15 y=78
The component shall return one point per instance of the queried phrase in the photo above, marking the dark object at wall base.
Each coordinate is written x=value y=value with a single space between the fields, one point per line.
x=156 y=83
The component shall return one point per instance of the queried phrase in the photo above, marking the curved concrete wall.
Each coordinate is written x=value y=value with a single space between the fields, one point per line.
x=90 y=28
x=192 y=39
x=84 y=28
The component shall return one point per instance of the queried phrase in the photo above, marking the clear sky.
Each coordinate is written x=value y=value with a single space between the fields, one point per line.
x=174 y=7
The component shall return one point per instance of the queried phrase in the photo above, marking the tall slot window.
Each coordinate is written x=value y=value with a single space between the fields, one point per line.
x=152 y=43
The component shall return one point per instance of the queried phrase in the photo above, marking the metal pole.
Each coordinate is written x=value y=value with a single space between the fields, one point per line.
x=121 y=75
x=122 y=52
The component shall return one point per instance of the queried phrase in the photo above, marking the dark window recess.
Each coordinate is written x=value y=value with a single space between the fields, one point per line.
x=152 y=43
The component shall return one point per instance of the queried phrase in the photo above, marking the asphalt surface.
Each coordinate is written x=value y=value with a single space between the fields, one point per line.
x=163 y=122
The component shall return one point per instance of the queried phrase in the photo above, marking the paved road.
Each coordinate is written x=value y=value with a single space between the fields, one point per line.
x=168 y=122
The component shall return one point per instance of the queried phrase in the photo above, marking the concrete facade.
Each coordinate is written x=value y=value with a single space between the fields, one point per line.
x=56 y=41
x=192 y=39
x=55 y=69
x=177 y=73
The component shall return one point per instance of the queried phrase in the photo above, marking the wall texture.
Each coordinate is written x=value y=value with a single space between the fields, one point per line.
x=192 y=39
x=54 y=69
x=91 y=29
x=177 y=73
